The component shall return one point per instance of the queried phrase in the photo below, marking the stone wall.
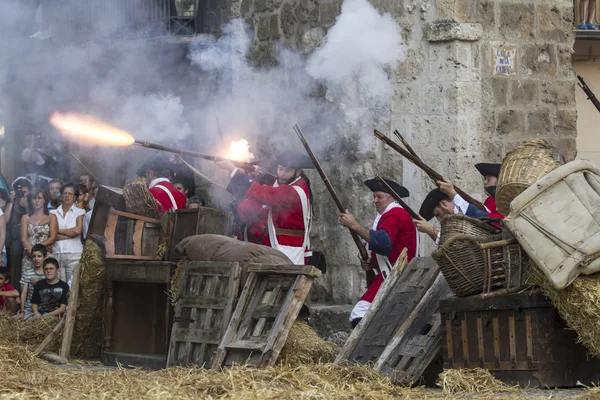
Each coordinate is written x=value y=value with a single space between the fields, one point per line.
x=481 y=76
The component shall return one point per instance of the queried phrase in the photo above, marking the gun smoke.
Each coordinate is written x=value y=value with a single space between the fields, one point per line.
x=340 y=89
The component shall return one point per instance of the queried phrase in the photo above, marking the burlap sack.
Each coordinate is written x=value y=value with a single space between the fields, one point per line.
x=222 y=248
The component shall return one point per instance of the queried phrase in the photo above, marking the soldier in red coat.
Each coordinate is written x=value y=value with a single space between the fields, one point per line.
x=490 y=174
x=157 y=173
x=392 y=231
x=283 y=210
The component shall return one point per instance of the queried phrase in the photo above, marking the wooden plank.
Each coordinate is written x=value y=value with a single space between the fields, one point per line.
x=195 y=339
x=391 y=307
x=134 y=216
x=49 y=337
x=235 y=320
x=72 y=305
x=278 y=269
x=358 y=332
x=204 y=302
x=109 y=235
x=137 y=238
x=263 y=318
x=418 y=340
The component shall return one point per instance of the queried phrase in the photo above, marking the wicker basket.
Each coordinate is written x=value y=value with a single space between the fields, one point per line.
x=462 y=264
x=522 y=167
x=505 y=266
x=483 y=265
x=453 y=225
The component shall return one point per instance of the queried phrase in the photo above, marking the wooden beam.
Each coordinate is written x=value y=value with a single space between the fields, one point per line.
x=71 y=313
x=283 y=269
x=49 y=337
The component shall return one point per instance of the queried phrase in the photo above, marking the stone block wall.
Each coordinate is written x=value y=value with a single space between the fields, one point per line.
x=450 y=102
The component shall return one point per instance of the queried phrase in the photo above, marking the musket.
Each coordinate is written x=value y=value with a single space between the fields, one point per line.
x=397 y=197
x=408 y=146
x=405 y=143
x=591 y=96
x=428 y=170
x=361 y=247
x=86 y=169
x=239 y=164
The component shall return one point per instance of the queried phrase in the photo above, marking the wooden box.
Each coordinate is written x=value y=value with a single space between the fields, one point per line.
x=137 y=313
x=198 y=221
x=122 y=235
x=519 y=338
x=107 y=198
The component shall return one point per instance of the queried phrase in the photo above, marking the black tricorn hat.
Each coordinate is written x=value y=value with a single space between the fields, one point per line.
x=432 y=199
x=375 y=186
x=487 y=169
x=295 y=160
x=156 y=163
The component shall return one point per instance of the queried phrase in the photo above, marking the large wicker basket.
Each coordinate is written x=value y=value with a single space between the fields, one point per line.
x=522 y=167
x=453 y=225
x=462 y=264
x=483 y=265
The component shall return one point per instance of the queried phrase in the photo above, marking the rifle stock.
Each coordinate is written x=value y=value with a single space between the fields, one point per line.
x=361 y=247
x=428 y=170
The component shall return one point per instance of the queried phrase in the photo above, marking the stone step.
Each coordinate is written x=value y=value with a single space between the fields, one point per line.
x=331 y=321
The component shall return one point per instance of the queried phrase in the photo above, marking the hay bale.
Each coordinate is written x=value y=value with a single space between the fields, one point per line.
x=87 y=333
x=578 y=304
x=139 y=200
x=304 y=346
x=465 y=381
x=29 y=333
x=176 y=281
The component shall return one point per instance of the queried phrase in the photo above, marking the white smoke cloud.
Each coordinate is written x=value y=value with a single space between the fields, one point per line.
x=356 y=53
x=338 y=90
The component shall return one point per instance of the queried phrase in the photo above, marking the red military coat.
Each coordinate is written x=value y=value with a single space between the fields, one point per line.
x=403 y=234
x=286 y=207
x=490 y=204
x=164 y=199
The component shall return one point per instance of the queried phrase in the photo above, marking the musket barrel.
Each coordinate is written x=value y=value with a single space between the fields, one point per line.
x=361 y=248
x=591 y=96
x=430 y=171
x=148 y=145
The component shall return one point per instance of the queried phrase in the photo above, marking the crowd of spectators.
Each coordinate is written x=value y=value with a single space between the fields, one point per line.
x=43 y=225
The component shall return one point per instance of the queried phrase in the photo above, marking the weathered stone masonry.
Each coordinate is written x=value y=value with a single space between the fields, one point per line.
x=450 y=102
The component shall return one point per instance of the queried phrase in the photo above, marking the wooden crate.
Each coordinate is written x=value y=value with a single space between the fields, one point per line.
x=122 y=235
x=131 y=237
x=519 y=338
x=107 y=198
x=207 y=295
x=396 y=299
x=267 y=308
x=198 y=221
x=137 y=313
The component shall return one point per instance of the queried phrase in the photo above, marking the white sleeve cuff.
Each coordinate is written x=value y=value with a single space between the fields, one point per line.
x=233 y=173
x=461 y=204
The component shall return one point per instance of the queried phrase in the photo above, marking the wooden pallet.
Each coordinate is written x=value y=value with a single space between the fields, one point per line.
x=267 y=308
x=419 y=338
x=208 y=291
x=397 y=297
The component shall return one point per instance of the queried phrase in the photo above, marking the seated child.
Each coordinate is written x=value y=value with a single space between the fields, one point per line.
x=8 y=294
x=31 y=277
x=49 y=295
